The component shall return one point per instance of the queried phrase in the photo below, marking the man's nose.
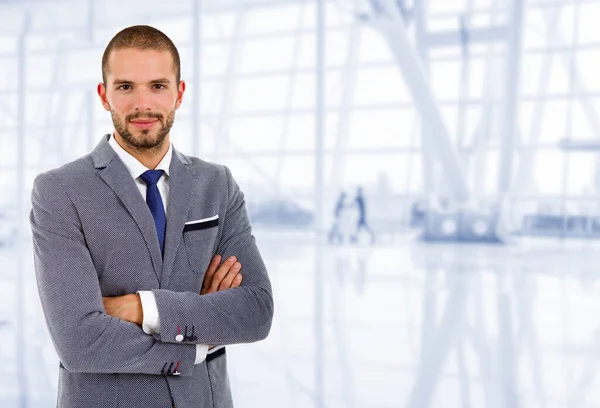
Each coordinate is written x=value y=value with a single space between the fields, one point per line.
x=143 y=100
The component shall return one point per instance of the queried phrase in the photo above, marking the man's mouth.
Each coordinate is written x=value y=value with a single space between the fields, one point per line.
x=144 y=123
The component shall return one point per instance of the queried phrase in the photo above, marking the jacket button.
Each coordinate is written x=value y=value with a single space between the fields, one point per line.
x=179 y=337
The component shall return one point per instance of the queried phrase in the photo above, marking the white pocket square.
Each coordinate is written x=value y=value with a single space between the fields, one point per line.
x=214 y=217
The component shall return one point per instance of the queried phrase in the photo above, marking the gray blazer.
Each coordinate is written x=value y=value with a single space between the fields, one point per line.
x=94 y=236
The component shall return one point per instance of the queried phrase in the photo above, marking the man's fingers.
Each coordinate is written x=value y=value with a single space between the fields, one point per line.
x=237 y=281
x=210 y=272
x=228 y=279
x=221 y=277
x=221 y=273
x=212 y=267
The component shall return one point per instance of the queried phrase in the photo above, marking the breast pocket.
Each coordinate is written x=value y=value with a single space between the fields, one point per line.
x=199 y=237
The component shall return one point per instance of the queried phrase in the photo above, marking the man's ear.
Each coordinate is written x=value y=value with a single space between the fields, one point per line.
x=102 y=94
x=180 y=91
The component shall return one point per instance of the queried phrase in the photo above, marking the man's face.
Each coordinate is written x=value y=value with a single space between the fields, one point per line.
x=142 y=95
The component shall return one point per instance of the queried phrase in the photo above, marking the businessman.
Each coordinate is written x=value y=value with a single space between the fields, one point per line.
x=140 y=250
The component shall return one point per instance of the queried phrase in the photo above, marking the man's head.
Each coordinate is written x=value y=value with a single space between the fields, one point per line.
x=141 y=86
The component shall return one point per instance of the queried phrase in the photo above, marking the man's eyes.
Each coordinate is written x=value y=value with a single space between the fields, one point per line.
x=128 y=87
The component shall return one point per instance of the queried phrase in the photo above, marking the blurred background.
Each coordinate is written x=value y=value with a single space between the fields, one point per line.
x=422 y=176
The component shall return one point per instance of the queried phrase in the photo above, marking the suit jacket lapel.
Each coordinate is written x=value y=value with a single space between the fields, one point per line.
x=115 y=175
x=182 y=181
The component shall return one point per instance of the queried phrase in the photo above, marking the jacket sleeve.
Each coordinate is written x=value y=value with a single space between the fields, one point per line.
x=86 y=339
x=237 y=315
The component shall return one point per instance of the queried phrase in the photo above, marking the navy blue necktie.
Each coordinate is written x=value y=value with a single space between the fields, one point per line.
x=155 y=203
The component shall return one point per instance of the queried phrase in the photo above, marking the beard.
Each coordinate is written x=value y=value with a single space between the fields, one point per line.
x=145 y=141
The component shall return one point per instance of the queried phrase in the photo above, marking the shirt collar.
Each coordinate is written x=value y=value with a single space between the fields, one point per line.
x=133 y=165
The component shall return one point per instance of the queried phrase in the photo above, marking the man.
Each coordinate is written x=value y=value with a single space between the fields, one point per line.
x=335 y=235
x=362 y=217
x=128 y=243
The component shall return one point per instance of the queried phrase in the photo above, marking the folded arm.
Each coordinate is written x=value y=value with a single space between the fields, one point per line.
x=238 y=315
x=140 y=308
x=86 y=338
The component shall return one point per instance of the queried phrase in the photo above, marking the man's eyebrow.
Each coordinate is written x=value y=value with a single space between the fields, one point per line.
x=122 y=82
x=154 y=81
x=160 y=81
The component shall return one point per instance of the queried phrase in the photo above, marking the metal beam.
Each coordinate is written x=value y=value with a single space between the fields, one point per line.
x=291 y=87
x=20 y=333
x=229 y=88
x=391 y=26
x=427 y=161
x=319 y=200
x=90 y=95
x=528 y=158
x=453 y=38
x=197 y=70
x=346 y=105
x=511 y=99
x=592 y=145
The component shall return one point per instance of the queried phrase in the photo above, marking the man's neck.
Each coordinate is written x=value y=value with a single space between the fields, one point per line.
x=148 y=157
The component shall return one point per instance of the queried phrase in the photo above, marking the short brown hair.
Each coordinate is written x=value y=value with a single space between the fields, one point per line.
x=142 y=37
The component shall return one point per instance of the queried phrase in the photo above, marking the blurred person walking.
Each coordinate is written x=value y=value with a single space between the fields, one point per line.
x=361 y=224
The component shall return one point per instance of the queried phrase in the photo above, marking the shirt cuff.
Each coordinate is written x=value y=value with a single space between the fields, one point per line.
x=215 y=348
x=151 y=322
x=201 y=351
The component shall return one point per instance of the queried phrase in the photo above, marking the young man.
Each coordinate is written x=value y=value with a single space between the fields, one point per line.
x=139 y=251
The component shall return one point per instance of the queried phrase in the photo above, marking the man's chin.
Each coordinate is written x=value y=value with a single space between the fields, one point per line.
x=143 y=140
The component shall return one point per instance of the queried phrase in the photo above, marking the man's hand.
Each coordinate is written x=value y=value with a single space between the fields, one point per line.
x=226 y=276
x=222 y=277
x=127 y=307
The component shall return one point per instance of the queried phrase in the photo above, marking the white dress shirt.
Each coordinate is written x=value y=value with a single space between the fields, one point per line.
x=151 y=320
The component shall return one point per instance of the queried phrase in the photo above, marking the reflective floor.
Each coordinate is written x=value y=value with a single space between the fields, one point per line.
x=402 y=324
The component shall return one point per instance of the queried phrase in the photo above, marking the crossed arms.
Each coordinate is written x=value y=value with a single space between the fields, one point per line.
x=88 y=339
x=218 y=276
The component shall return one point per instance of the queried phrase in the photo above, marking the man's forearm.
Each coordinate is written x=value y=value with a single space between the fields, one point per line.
x=240 y=315
x=126 y=307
